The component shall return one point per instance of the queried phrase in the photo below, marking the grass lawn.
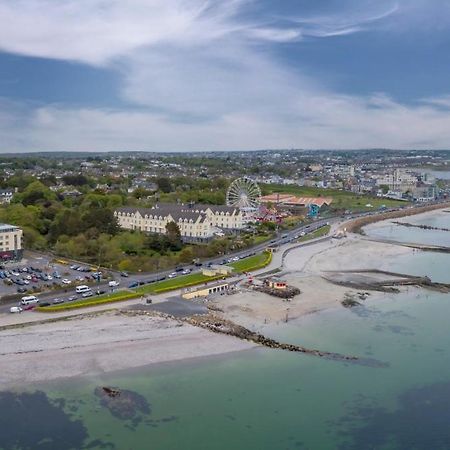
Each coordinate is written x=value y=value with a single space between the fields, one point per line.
x=252 y=262
x=323 y=231
x=341 y=199
x=176 y=283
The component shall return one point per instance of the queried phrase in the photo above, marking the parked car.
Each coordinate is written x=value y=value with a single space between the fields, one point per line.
x=15 y=309
x=72 y=298
x=87 y=294
x=57 y=301
x=74 y=267
x=65 y=281
x=133 y=285
x=100 y=292
x=21 y=290
x=113 y=283
x=124 y=274
x=44 y=304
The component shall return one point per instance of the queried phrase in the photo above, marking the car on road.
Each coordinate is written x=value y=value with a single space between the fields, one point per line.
x=72 y=298
x=15 y=309
x=100 y=291
x=44 y=304
x=74 y=267
x=113 y=283
x=87 y=294
x=124 y=274
x=186 y=271
x=65 y=281
x=179 y=269
x=21 y=290
x=133 y=285
x=57 y=301
x=173 y=275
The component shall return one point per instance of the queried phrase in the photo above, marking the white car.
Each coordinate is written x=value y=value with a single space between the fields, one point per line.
x=26 y=281
x=49 y=278
x=113 y=283
x=15 y=309
x=173 y=275
x=186 y=271
x=65 y=281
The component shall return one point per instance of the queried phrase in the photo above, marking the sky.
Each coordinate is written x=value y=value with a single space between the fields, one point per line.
x=205 y=75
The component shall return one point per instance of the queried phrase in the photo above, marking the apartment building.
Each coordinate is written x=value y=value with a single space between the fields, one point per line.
x=197 y=223
x=10 y=242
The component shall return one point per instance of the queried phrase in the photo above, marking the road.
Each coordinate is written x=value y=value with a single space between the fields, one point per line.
x=282 y=238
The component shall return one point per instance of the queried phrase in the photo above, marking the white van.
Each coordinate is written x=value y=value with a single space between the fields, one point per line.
x=82 y=288
x=29 y=300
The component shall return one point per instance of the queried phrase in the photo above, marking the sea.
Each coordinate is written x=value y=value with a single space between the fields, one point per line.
x=264 y=399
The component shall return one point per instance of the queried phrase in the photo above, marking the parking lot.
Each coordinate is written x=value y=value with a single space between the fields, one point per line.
x=36 y=273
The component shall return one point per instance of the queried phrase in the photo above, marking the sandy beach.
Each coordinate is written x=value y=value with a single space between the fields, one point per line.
x=96 y=341
x=305 y=269
x=99 y=344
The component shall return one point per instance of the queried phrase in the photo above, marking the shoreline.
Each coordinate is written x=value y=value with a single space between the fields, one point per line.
x=102 y=343
x=105 y=341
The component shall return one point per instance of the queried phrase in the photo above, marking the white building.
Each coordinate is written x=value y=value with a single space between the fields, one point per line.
x=197 y=223
x=10 y=242
x=6 y=195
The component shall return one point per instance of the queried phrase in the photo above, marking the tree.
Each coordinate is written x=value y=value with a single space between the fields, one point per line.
x=102 y=219
x=173 y=235
x=186 y=255
x=75 y=180
x=164 y=185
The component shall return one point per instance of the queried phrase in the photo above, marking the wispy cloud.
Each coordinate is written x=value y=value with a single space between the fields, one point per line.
x=198 y=74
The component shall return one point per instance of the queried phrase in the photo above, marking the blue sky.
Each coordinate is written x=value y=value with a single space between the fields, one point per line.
x=181 y=75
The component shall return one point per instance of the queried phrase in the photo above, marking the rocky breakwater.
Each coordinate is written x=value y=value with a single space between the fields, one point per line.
x=219 y=325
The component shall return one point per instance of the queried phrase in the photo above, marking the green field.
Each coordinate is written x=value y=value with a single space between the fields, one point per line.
x=341 y=199
x=252 y=263
x=244 y=265
x=176 y=283
x=323 y=231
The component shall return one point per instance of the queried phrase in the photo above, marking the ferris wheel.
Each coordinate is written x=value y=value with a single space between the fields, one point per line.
x=244 y=193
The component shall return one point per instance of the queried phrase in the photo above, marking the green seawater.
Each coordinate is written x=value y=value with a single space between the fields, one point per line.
x=265 y=399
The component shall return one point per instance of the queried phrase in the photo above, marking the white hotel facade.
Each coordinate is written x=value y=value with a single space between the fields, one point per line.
x=197 y=223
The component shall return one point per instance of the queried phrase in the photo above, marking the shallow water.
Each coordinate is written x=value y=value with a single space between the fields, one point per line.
x=268 y=399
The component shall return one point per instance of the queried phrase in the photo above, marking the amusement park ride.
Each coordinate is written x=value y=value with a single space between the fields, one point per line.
x=245 y=194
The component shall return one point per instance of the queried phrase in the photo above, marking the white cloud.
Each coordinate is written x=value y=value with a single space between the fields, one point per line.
x=201 y=77
x=322 y=121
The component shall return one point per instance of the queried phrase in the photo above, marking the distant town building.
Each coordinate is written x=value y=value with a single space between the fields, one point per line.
x=293 y=200
x=6 y=195
x=197 y=223
x=10 y=242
